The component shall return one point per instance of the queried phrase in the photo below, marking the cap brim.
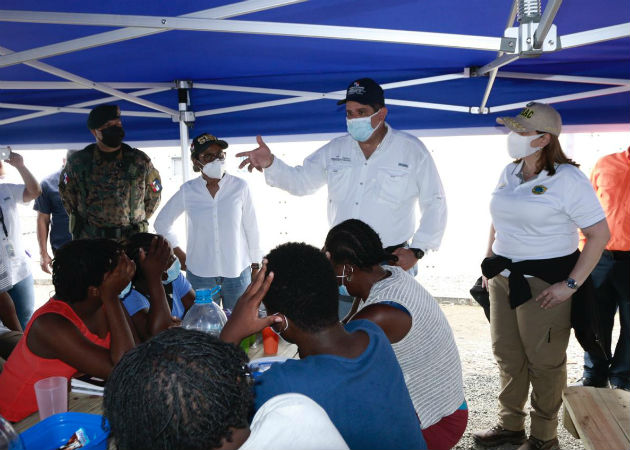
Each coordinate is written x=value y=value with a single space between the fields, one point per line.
x=341 y=102
x=514 y=124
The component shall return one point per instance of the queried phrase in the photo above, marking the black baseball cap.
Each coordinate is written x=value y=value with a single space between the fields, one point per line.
x=101 y=115
x=365 y=91
x=205 y=140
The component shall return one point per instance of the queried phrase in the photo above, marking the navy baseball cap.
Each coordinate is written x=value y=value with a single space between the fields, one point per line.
x=365 y=91
x=205 y=140
x=101 y=115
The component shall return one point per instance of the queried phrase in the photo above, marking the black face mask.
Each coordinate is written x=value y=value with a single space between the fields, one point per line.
x=113 y=136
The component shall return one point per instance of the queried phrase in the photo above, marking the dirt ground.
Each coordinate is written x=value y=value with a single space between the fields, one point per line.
x=481 y=376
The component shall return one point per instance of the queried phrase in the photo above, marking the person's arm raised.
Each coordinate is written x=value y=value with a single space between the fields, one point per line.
x=244 y=320
x=260 y=158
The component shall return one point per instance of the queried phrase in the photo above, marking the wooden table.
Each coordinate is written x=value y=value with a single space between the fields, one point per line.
x=600 y=417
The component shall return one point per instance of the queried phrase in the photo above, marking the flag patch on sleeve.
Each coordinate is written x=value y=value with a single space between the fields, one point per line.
x=156 y=186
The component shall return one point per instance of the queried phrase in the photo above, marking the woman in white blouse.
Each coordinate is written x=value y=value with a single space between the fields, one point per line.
x=223 y=241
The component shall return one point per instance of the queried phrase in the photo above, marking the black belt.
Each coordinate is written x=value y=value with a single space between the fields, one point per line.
x=391 y=248
x=618 y=255
x=115 y=232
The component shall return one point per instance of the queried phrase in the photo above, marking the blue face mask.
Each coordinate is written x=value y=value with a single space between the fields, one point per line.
x=125 y=291
x=173 y=272
x=343 y=290
x=361 y=129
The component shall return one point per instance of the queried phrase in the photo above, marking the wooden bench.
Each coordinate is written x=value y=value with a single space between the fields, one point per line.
x=600 y=417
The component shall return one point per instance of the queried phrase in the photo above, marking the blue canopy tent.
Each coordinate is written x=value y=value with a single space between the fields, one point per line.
x=277 y=67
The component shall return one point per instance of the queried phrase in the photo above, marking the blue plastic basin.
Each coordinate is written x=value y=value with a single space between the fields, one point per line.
x=54 y=431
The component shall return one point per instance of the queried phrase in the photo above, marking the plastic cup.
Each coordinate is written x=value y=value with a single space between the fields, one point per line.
x=270 y=341
x=52 y=396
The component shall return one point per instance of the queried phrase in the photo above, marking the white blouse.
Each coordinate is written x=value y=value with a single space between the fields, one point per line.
x=222 y=231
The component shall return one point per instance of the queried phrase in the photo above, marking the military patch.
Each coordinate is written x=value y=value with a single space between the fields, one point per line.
x=65 y=178
x=539 y=189
x=156 y=186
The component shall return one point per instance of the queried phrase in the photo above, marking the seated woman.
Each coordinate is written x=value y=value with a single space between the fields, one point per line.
x=82 y=328
x=414 y=323
x=160 y=295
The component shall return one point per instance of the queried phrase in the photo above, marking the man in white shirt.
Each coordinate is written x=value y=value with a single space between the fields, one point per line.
x=374 y=173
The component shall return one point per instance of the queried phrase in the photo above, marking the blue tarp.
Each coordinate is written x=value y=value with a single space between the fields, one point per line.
x=307 y=64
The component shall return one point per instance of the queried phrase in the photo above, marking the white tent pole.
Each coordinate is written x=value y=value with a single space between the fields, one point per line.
x=594 y=36
x=78 y=105
x=563 y=78
x=184 y=150
x=546 y=21
x=65 y=109
x=564 y=98
x=70 y=85
x=186 y=119
x=110 y=37
x=91 y=84
x=493 y=72
x=474 y=42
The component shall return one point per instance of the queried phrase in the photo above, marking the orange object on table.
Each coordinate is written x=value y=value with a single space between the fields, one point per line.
x=270 y=341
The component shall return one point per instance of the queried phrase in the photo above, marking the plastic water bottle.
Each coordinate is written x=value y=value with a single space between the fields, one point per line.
x=205 y=315
x=9 y=439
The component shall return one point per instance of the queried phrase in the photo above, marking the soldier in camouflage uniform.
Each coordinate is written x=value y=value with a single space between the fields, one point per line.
x=109 y=189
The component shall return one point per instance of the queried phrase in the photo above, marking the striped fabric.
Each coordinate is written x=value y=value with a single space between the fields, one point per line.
x=428 y=355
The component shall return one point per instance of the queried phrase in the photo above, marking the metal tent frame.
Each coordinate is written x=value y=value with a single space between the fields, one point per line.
x=534 y=36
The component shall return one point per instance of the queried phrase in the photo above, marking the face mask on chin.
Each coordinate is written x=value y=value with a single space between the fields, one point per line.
x=214 y=169
x=112 y=136
x=361 y=129
x=520 y=146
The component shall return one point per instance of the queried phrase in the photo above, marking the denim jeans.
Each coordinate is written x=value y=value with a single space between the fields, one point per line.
x=23 y=295
x=231 y=288
x=612 y=289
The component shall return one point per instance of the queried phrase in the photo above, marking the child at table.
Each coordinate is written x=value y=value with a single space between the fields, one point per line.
x=82 y=328
x=155 y=304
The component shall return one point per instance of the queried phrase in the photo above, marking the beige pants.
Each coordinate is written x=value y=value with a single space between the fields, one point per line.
x=529 y=344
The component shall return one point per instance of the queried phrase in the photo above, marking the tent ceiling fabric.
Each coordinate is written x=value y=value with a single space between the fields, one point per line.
x=265 y=68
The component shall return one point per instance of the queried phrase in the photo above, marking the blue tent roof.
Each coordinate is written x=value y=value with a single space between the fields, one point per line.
x=305 y=64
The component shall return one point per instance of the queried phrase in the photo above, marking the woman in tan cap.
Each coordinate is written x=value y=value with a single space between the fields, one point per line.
x=534 y=271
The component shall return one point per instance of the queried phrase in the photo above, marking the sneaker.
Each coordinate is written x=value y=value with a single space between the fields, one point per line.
x=536 y=444
x=623 y=388
x=498 y=435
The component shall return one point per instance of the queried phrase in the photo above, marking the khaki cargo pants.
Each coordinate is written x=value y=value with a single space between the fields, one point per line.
x=529 y=344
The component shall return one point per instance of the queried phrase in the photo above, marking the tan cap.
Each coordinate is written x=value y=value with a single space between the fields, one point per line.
x=534 y=117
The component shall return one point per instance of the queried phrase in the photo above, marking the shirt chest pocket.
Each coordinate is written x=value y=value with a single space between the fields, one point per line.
x=393 y=185
x=339 y=176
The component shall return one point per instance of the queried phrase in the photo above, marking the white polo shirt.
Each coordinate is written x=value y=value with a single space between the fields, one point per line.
x=381 y=191
x=539 y=219
x=222 y=231
x=12 y=250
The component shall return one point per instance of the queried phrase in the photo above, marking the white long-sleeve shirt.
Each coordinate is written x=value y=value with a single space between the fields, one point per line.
x=382 y=191
x=222 y=231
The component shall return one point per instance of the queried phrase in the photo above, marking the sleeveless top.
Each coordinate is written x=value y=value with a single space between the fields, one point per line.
x=428 y=354
x=24 y=368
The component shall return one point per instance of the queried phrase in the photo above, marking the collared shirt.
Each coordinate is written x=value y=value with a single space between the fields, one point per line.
x=222 y=231
x=539 y=219
x=11 y=248
x=49 y=202
x=382 y=190
x=611 y=179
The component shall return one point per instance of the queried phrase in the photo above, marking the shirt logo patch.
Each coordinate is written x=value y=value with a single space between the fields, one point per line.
x=539 y=189
x=156 y=186
x=65 y=178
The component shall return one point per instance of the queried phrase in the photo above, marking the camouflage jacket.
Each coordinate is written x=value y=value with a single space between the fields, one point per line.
x=99 y=190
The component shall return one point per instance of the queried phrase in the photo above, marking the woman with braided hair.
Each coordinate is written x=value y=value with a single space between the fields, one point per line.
x=414 y=323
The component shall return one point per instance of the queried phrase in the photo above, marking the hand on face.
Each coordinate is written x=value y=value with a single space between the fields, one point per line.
x=118 y=278
x=154 y=262
x=260 y=158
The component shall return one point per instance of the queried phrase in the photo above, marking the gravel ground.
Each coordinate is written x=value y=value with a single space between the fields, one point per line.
x=481 y=374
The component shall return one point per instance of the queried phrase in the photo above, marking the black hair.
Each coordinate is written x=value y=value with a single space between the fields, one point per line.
x=355 y=242
x=304 y=286
x=133 y=245
x=181 y=390
x=80 y=264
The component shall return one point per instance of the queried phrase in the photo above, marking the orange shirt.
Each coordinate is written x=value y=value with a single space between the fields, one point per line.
x=611 y=180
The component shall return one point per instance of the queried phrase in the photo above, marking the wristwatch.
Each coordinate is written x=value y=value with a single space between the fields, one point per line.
x=255 y=266
x=572 y=283
x=417 y=252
